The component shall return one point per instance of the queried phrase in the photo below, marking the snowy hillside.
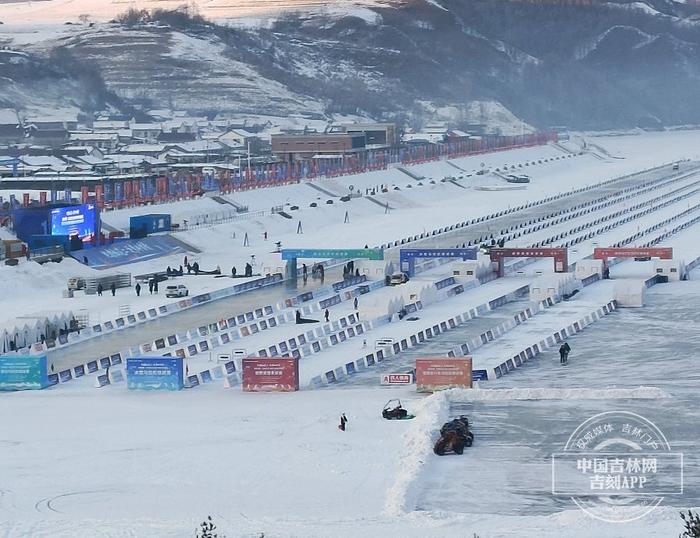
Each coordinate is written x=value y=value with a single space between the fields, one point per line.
x=598 y=66
x=66 y=10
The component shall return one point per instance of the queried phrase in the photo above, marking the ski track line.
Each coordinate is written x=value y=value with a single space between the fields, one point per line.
x=47 y=502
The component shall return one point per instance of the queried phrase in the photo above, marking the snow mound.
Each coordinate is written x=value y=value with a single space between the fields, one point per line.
x=480 y=395
x=417 y=448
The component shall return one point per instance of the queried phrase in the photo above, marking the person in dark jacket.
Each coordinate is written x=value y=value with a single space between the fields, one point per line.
x=150 y=286
x=113 y=289
x=155 y=286
x=99 y=289
x=343 y=422
x=326 y=315
x=355 y=303
x=564 y=353
x=138 y=290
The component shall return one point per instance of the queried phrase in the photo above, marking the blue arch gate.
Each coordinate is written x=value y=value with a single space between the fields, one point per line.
x=408 y=256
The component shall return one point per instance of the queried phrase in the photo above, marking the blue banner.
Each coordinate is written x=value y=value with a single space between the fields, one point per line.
x=464 y=253
x=480 y=375
x=408 y=256
x=23 y=372
x=154 y=373
x=130 y=251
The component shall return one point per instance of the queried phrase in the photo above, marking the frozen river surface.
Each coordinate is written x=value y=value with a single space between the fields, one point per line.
x=508 y=470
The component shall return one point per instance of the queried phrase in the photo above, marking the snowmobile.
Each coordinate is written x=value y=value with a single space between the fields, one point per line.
x=451 y=441
x=454 y=436
x=461 y=425
x=394 y=411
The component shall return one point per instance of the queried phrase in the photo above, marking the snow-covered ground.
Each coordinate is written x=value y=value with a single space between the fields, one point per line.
x=77 y=460
x=412 y=211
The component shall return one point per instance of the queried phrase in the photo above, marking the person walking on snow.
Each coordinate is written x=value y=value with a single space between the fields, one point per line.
x=99 y=290
x=343 y=421
x=564 y=353
x=138 y=290
x=113 y=289
x=327 y=315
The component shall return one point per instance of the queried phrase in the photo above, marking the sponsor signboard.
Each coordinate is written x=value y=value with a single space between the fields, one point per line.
x=23 y=372
x=437 y=373
x=275 y=374
x=346 y=254
x=480 y=375
x=154 y=373
x=396 y=379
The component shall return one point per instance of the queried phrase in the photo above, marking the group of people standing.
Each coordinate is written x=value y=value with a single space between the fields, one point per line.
x=317 y=271
x=112 y=288
x=350 y=270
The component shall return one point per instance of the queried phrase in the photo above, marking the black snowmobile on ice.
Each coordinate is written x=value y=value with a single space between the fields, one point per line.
x=454 y=436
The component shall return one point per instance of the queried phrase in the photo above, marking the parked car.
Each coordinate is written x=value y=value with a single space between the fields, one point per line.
x=179 y=290
x=396 y=279
x=513 y=178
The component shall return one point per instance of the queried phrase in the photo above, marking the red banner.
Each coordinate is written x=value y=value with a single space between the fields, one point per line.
x=276 y=374
x=665 y=253
x=84 y=194
x=437 y=373
x=42 y=197
x=25 y=199
x=100 y=196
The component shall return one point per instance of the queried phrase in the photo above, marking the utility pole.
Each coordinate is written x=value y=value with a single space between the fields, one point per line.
x=249 y=172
